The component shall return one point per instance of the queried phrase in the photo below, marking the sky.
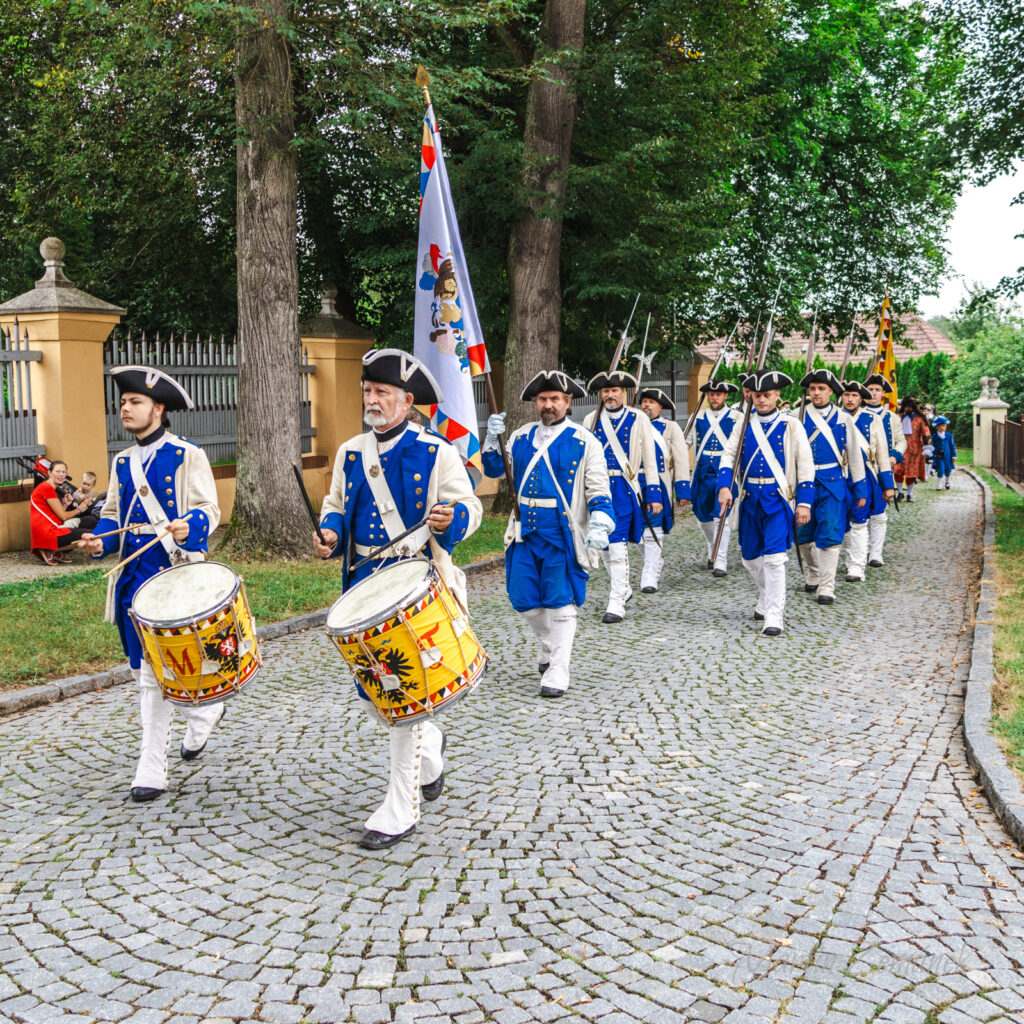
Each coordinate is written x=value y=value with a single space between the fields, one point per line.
x=981 y=239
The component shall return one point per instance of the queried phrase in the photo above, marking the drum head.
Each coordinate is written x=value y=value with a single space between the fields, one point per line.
x=371 y=599
x=185 y=592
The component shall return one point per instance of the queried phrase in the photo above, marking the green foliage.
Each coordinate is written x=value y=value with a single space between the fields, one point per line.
x=996 y=351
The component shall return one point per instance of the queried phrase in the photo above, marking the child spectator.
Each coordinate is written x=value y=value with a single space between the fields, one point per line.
x=945 y=451
x=84 y=493
x=49 y=516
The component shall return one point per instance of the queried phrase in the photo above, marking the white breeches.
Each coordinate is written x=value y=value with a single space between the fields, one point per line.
x=654 y=559
x=555 y=629
x=769 y=572
x=415 y=761
x=710 y=531
x=155 y=714
x=820 y=565
x=856 y=547
x=616 y=561
x=877 y=526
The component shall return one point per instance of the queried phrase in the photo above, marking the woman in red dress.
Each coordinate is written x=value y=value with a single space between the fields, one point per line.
x=48 y=514
x=915 y=430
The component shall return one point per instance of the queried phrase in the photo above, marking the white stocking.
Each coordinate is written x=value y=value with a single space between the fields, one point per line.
x=856 y=547
x=774 y=589
x=828 y=563
x=540 y=622
x=812 y=575
x=563 y=630
x=756 y=569
x=877 y=526
x=653 y=558
x=155 y=714
x=616 y=560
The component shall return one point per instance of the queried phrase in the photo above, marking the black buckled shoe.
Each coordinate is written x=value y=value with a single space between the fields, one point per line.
x=191 y=755
x=854 y=579
x=758 y=617
x=771 y=631
x=825 y=599
x=810 y=588
x=648 y=590
x=143 y=794
x=432 y=790
x=550 y=691
x=875 y=563
x=611 y=617
x=371 y=840
x=719 y=573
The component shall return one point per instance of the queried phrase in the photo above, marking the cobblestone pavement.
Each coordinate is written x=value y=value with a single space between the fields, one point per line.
x=709 y=826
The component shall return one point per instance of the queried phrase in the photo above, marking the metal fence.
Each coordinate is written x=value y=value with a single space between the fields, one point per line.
x=1008 y=450
x=208 y=371
x=17 y=417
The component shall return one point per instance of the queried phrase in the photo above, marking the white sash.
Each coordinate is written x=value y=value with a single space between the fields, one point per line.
x=666 y=473
x=714 y=430
x=612 y=441
x=390 y=517
x=824 y=430
x=541 y=453
x=150 y=503
x=765 y=449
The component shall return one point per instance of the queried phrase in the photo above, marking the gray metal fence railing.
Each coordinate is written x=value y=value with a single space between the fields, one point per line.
x=17 y=417
x=208 y=370
x=1008 y=450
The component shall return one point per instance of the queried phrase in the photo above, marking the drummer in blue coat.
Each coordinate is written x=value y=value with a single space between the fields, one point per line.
x=839 y=483
x=161 y=484
x=566 y=515
x=386 y=480
x=711 y=431
x=777 y=484
x=674 y=477
x=944 y=457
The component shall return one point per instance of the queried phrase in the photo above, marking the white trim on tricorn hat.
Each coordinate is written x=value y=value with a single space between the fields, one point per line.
x=857 y=387
x=720 y=387
x=659 y=396
x=611 y=379
x=768 y=380
x=402 y=370
x=877 y=378
x=822 y=376
x=153 y=383
x=552 y=380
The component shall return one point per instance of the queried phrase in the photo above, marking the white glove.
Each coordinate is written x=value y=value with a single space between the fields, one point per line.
x=601 y=526
x=496 y=424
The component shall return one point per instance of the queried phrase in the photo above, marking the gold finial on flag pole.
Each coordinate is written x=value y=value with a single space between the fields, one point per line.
x=423 y=81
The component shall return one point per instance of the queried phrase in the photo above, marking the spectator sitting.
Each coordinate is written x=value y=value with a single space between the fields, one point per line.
x=49 y=515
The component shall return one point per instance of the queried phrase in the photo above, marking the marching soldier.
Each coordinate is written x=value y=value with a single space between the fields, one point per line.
x=874 y=448
x=878 y=525
x=565 y=506
x=385 y=481
x=159 y=483
x=674 y=471
x=711 y=431
x=838 y=483
x=628 y=440
x=777 y=488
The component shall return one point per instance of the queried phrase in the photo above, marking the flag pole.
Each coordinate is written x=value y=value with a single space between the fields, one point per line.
x=423 y=81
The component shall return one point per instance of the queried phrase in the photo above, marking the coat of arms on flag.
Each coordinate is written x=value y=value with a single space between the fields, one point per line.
x=448 y=338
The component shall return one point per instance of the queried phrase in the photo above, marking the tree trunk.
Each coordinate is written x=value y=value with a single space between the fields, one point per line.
x=268 y=514
x=535 y=290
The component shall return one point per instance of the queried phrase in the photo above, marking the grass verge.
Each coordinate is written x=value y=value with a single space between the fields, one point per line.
x=53 y=627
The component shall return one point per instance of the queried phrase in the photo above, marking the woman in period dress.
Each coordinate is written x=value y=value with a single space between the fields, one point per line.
x=48 y=514
x=915 y=430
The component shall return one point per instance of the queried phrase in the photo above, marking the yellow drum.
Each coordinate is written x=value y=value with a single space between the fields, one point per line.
x=197 y=632
x=408 y=641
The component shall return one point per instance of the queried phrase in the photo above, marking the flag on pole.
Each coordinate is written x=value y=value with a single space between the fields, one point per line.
x=447 y=334
x=885 y=359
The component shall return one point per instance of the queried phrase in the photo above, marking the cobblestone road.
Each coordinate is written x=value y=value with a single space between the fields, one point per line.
x=710 y=826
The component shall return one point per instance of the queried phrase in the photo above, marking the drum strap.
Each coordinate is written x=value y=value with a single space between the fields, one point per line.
x=150 y=503
x=390 y=517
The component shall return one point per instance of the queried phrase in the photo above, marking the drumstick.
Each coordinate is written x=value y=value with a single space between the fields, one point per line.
x=145 y=547
x=412 y=529
x=111 y=533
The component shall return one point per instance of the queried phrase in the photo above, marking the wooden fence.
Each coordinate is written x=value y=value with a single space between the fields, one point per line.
x=17 y=417
x=1008 y=450
x=208 y=371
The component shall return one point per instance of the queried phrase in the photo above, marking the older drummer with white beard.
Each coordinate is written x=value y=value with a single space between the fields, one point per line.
x=384 y=482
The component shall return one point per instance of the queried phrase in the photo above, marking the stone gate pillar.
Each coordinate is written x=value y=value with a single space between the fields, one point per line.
x=989 y=408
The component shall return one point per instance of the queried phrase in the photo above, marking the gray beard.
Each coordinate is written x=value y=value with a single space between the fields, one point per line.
x=377 y=420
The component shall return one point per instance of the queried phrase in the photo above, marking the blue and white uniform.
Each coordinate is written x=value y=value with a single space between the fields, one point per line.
x=944 y=456
x=711 y=432
x=871 y=518
x=627 y=438
x=777 y=474
x=673 y=459
x=178 y=484
x=562 y=489
x=838 y=484
x=896 y=445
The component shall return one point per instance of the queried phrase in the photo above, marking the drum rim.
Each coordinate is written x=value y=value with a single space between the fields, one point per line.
x=385 y=613
x=198 y=616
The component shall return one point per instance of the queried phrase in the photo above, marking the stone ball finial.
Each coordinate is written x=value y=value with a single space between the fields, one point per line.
x=328 y=306
x=52 y=250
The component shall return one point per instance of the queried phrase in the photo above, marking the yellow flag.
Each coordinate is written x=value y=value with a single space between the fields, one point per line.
x=885 y=360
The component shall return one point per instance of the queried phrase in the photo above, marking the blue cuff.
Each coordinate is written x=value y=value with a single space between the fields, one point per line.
x=886 y=480
x=805 y=492
x=682 y=490
x=494 y=465
x=862 y=489
x=599 y=503
x=724 y=479
x=898 y=456
x=333 y=521
x=198 y=531
x=456 y=528
x=652 y=493
x=110 y=544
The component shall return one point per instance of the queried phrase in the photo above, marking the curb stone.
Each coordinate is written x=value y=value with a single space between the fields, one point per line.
x=998 y=781
x=48 y=693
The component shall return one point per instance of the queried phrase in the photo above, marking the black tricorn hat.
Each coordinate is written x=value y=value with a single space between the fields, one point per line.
x=611 y=379
x=747 y=380
x=155 y=384
x=401 y=370
x=822 y=376
x=659 y=396
x=552 y=380
x=877 y=378
x=721 y=387
x=855 y=385
x=768 y=380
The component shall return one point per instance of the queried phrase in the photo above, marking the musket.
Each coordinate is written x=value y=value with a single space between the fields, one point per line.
x=810 y=360
x=692 y=418
x=849 y=349
x=761 y=356
x=642 y=360
x=623 y=337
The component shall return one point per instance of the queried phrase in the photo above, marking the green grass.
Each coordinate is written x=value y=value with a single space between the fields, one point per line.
x=53 y=627
x=1008 y=646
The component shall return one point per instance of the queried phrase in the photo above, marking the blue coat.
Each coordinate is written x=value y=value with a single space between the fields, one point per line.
x=704 y=485
x=945 y=453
